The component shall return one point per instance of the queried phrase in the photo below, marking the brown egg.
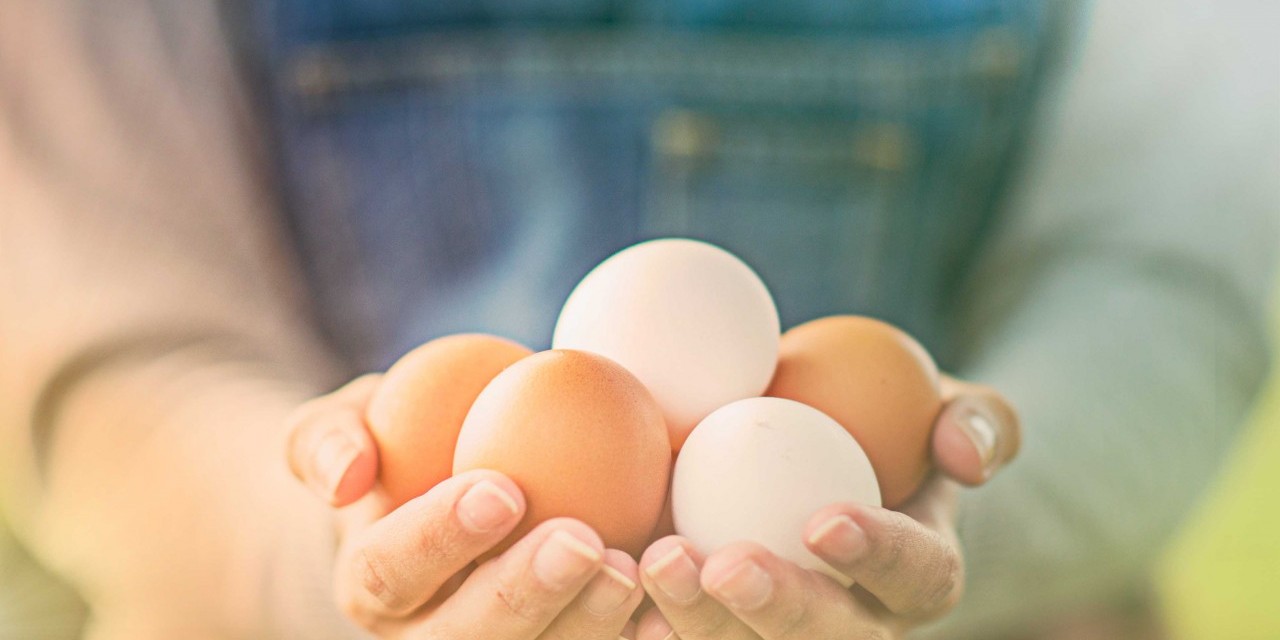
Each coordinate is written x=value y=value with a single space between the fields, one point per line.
x=877 y=382
x=582 y=438
x=421 y=402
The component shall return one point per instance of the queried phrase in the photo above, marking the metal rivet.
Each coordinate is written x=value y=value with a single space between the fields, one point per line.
x=312 y=76
x=684 y=134
x=998 y=53
x=886 y=146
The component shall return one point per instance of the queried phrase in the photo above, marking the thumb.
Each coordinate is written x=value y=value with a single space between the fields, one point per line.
x=977 y=432
x=329 y=447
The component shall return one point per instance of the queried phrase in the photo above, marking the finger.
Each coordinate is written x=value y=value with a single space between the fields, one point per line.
x=977 y=432
x=628 y=631
x=654 y=626
x=602 y=609
x=518 y=594
x=913 y=570
x=391 y=568
x=670 y=571
x=781 y=601
x=329 y=447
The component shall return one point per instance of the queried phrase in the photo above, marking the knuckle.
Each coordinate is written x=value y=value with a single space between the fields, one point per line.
x=371 y=576
x=707 y=623
x=877 y=633
x=347 y=604
x=951 y=585
x=353 y=607
x=940 y=583
x=516 y=601
x=795 y=622
x=890 y=556
x=439 y=541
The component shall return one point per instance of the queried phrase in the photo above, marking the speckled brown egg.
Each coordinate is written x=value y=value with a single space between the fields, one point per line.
x=877 y=382
x=581 y=436
x=419 y=406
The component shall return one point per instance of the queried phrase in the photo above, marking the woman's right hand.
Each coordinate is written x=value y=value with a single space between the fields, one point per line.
x=410 y=572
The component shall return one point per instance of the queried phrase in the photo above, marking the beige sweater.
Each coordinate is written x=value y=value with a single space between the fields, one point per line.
x=153 y=328
x=153 y=332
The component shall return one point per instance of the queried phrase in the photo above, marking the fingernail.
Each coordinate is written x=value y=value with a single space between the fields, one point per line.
x=747 y=588
x=563 y=560
x=485 y=506
x=840 y=539
x=676 y=576
x=334 y=455
x=608 y=591
x=982 y=433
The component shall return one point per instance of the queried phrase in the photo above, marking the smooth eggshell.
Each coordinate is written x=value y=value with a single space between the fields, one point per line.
x=582 y=438
x=690 y=320
x=877 y=382
x=418 y=408
x=758 y=470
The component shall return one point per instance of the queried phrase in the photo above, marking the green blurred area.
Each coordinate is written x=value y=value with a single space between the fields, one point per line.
x=1220 y=580
x=34 y=605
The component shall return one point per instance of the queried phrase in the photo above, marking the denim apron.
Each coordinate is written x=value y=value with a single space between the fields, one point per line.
x=454 y=165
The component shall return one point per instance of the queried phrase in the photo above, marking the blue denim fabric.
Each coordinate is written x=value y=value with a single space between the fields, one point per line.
x=459 y=166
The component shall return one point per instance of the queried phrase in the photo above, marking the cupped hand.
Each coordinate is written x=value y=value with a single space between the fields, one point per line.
x=906 y=565
x=409 y=571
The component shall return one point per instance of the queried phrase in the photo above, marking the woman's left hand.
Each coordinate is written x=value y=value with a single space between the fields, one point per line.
x=906 y=565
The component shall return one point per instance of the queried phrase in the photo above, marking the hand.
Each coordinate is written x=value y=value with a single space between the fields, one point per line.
x=906 y=565
x=409 y=572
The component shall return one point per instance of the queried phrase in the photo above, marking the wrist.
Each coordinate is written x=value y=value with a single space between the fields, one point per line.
x=165 y=497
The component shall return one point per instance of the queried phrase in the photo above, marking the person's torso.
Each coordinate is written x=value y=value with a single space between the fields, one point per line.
x=459 y=166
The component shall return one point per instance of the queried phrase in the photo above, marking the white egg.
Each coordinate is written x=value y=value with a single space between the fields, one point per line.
x=693 y=322
x=759 y=469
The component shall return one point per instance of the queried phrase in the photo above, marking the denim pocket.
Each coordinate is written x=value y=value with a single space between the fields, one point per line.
x=821 y=208
x=481 y=173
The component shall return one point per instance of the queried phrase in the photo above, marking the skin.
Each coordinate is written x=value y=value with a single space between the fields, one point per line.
x=409 y=572
x=553 y=584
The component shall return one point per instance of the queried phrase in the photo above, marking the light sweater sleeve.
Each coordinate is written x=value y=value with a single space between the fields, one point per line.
x=1123 y=312
x=152 y=330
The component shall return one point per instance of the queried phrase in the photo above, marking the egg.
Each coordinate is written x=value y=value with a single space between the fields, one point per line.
x=877 y=382
x=759 y=469
x=581 y=437
x=418 y=408
x=693 y=322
